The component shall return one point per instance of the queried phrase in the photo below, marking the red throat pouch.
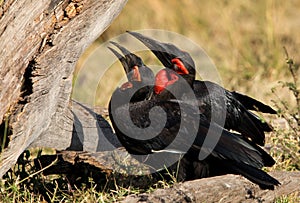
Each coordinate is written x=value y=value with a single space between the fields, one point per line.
x=164 y=79
x=136 y=74
x=126 y=85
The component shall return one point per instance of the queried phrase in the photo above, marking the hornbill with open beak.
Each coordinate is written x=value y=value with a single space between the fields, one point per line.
x=137 y=73
x=230 y=155
x=212 y=98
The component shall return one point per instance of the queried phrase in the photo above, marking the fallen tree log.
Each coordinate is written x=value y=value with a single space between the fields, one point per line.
x=227 y=188
x=41 y=42
x=103 y=159
x=90 y=132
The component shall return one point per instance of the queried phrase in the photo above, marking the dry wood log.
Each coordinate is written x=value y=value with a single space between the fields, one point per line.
x=75 y=163
x=227 y=188
x=90 y=132
x=41 y=42
x=101 y=163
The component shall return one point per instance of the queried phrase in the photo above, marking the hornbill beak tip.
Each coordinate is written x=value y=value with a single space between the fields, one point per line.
x=121 y=58
x=163 y=51
x=130 y=62
x=117 y=54
x=121 y=48
x=150 y=43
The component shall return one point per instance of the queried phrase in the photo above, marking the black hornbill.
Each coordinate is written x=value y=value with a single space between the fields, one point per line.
x=138 y=74
x=223 y=157
x=232 y=154
x=212 y=98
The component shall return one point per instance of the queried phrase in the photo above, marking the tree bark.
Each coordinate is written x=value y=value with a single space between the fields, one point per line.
x=41 y=42
x=90 y=132
x=227 y=188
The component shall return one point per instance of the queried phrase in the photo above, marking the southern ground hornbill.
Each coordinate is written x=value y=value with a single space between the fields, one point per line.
x=213 y=100
x=138 y=74
x=181 y=129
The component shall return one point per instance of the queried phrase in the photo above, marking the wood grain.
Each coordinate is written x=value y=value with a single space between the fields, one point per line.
x=41 y=42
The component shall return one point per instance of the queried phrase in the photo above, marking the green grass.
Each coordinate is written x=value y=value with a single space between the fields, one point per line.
x=26 y=183
x=291 y=198
x=245 y=40
x=286 y=140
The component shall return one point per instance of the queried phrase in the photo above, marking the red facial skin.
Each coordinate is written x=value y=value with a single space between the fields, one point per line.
x=126 y=85
x=136 y=74
x=135 y=77
x=182 y=70
x=162 y=80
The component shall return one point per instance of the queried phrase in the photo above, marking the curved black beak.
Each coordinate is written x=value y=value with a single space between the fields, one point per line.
x=129 y=61
x=121 y=59
x=165 y=52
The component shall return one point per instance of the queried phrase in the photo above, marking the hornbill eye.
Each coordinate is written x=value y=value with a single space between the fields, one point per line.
x=175 y=67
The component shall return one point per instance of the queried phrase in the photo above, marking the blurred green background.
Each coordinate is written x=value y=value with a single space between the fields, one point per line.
x=244 y=39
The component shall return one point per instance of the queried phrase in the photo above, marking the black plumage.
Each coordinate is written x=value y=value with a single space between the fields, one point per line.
x=232 y=153
x=170 y=125
x=138 y=74
x=215 y=102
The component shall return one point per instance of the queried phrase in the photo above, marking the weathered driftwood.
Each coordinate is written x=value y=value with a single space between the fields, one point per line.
x=227 y=188
x=41 y=42
x=90 y=132
x=78 y=163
